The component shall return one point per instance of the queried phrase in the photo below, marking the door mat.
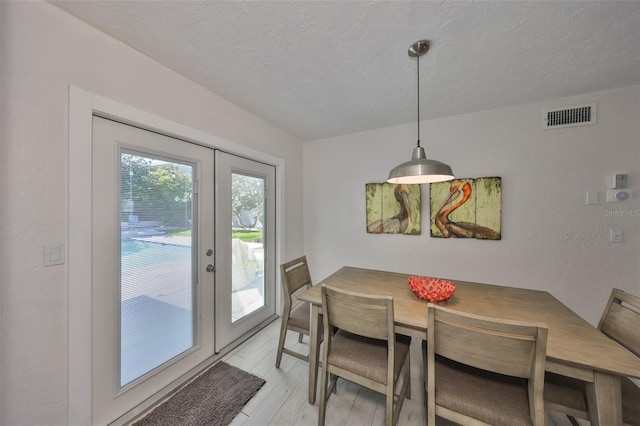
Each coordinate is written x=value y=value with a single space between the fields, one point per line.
x=214 y=398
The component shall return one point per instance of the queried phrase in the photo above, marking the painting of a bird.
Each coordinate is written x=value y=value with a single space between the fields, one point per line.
x=401 y=222
x=460 y=191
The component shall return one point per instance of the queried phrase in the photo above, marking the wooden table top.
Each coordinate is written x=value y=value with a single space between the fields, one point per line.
x=571 y=340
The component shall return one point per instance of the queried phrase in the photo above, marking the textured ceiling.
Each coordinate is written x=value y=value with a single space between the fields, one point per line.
x=325 y=68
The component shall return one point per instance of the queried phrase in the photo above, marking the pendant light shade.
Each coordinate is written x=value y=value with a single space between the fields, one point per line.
x=420 y=169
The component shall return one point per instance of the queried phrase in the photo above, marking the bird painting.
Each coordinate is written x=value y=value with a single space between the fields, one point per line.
x=397 y=215
x=467 y=202
x=459 y=191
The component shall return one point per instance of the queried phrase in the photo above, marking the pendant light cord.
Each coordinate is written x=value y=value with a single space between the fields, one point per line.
x=418 y=61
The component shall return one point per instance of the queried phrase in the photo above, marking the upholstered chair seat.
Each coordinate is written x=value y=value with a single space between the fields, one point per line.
x=300 y=316
x=367 y=357
x=493 y=398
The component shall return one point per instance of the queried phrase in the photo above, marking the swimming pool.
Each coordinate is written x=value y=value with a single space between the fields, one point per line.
x=156 y=309
x=135 y=253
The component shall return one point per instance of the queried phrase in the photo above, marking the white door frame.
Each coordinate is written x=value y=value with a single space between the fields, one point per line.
x=82 y=106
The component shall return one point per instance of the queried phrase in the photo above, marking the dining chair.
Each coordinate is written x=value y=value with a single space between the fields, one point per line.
x=365 y=349
x=621 y=322
x=484 y=371
x=295 y=275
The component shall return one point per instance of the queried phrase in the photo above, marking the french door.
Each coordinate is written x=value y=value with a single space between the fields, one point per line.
x=245 y=246
x=159 y=277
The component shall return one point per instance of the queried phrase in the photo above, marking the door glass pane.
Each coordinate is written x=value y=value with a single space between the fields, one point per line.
x=156 y=263
x=247 y=244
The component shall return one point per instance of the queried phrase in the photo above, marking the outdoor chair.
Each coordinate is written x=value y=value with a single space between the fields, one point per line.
x=364 y=350
x=484 y=371
x=621 y=322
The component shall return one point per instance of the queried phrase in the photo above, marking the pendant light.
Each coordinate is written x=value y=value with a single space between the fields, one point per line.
x=420 y=169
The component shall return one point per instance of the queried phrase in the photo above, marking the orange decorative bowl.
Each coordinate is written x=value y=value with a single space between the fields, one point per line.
x=431 y=289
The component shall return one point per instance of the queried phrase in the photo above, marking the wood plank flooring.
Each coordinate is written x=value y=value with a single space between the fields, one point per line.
x=283 y=399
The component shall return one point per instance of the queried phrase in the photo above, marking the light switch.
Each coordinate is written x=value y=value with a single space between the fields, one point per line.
x=592 y=198
x=54 y=254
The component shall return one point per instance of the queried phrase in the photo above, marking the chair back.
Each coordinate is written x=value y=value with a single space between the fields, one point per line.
x=621 y=320
x=364 y=315
x=511 y=348
x=505 y=347
x=295 y=275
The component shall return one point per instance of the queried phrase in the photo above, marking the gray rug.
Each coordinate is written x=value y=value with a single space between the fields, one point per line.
x=212 y=399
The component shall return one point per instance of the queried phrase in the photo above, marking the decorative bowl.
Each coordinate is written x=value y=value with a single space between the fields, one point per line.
x=431 y=289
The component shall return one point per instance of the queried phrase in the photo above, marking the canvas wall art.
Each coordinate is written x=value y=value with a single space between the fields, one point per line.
x=393 y=209
x=467 y=208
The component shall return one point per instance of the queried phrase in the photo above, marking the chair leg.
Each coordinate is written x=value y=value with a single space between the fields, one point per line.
x=389 y=406
x=300 y=338
x=333 y=382
x=573 y=420
x=407 y=375
x=426 y=404
x=283 y=336
x=323 y=397
x=431 y=409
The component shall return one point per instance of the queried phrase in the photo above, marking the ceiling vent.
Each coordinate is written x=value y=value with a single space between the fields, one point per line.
x=581 y=115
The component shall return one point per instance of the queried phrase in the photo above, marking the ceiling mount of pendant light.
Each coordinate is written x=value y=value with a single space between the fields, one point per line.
x=420 y=169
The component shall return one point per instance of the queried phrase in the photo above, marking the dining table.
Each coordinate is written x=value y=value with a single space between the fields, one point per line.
x=575 y=348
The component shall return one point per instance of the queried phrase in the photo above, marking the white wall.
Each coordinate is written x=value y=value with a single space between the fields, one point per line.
x=550 y=241
x=44 y=50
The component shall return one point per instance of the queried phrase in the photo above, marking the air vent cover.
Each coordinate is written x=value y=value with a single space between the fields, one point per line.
x=558 y=118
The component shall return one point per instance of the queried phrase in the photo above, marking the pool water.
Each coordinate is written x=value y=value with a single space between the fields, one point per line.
x=156 y=309
x=138 y=253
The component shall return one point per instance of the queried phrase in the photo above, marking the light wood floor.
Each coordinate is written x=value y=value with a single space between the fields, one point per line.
x=283 y=399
